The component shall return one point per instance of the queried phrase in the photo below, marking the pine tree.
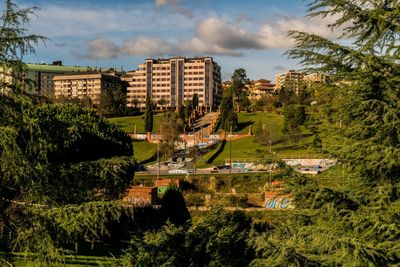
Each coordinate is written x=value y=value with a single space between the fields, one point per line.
x=148 y=115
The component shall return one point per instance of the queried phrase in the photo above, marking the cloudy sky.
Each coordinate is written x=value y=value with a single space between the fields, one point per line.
x=247 y=34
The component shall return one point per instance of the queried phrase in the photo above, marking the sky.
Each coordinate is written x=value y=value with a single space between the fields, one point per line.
x=250 y=34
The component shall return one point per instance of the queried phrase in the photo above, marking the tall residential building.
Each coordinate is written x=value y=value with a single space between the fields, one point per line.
x=316 y=77
x=290 y=79
x=176 y=80
x=85 y=84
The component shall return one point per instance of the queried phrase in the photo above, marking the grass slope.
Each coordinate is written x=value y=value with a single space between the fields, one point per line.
x=144 y=151
x=128 y=123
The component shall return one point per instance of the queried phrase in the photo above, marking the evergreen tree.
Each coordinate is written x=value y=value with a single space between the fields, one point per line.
x=195 y=100
x=228 y=117
x=351 y=224
x=239 y=89
x=15 y=43
x=148 y=115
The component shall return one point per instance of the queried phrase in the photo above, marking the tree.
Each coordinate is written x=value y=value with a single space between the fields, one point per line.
x=171 y=127
x=219 y=239
x=162 y=102
x=113 y=100
x=148 y=115
x=295 y=116
x=228 y=117
x=135 y=102
x=60 y=166
x=239 y=89
x=360 y=126
x=195 y=100
x=173 y=207
x=15 y=43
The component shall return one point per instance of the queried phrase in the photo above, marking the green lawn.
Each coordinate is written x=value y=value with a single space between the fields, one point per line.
x=143 y=150
x=272 y=121
x=242 y=148
x=248 y=147
x=128 y=123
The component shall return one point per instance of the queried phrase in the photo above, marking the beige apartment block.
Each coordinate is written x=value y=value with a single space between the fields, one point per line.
x=258 y=89
x=289 y=79
x=316 y=77
x=175 y=80
x=85 y=84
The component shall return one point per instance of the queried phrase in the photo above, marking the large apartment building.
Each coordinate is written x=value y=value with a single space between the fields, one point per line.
x=295 y=80
x=291 y=79
x=176 y=80
x=85 y=84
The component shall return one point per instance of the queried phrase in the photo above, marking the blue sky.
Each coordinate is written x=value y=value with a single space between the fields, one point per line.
x=238 y=34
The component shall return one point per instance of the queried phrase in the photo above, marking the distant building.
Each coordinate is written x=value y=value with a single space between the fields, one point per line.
x=316 y=77
x=85 y=84
x=226 y=85
x=290 y=79
x=142 y=195
x=258 y=89
x=176 y=80
x=40 y=76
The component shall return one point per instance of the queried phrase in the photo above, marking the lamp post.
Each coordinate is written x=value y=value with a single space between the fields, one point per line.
x=270 y=151
x=230 y=150
x=158 y=160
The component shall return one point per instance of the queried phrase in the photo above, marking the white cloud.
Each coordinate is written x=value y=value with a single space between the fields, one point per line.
x=100 y=48
x=176 y=5
x=55 y=21
x=148 y=46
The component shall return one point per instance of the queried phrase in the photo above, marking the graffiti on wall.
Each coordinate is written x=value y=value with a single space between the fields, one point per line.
x=310 y=162
x=275 y=201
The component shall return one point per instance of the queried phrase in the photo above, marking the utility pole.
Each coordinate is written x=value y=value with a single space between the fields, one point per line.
x=270 y=151
x=194 y=150
x=270 y=174
x=158 y=160
x=230 y=150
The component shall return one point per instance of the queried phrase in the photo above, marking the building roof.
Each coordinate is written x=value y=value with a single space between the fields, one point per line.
x=88 y=73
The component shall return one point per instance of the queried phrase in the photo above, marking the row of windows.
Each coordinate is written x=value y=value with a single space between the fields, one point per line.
x=194 y=73
x=193 y=67
x=194 y=78
x=194 y=84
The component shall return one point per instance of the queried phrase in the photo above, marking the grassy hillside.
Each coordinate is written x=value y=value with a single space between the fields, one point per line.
x=128 y=123
x=270 y=120
x=144 y=151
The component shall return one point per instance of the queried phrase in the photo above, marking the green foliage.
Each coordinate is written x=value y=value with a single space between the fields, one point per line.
x=295 y=115
x=173 y=207
x=52 y=156
x=113 y=101
x=171 y=128
x=228 y=117
x=195 y=100
x=15 y=42
x=239 y=89
x=220 y=239
x=148 y=115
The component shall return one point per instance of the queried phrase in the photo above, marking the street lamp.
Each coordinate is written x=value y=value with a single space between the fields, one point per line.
x=230 y=151
x=270 y=151
x=158 y=160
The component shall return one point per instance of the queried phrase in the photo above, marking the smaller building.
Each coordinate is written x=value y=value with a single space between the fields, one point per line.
x=260 y=88
x=141 y=195
x=85 y=84
x=163 y=184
